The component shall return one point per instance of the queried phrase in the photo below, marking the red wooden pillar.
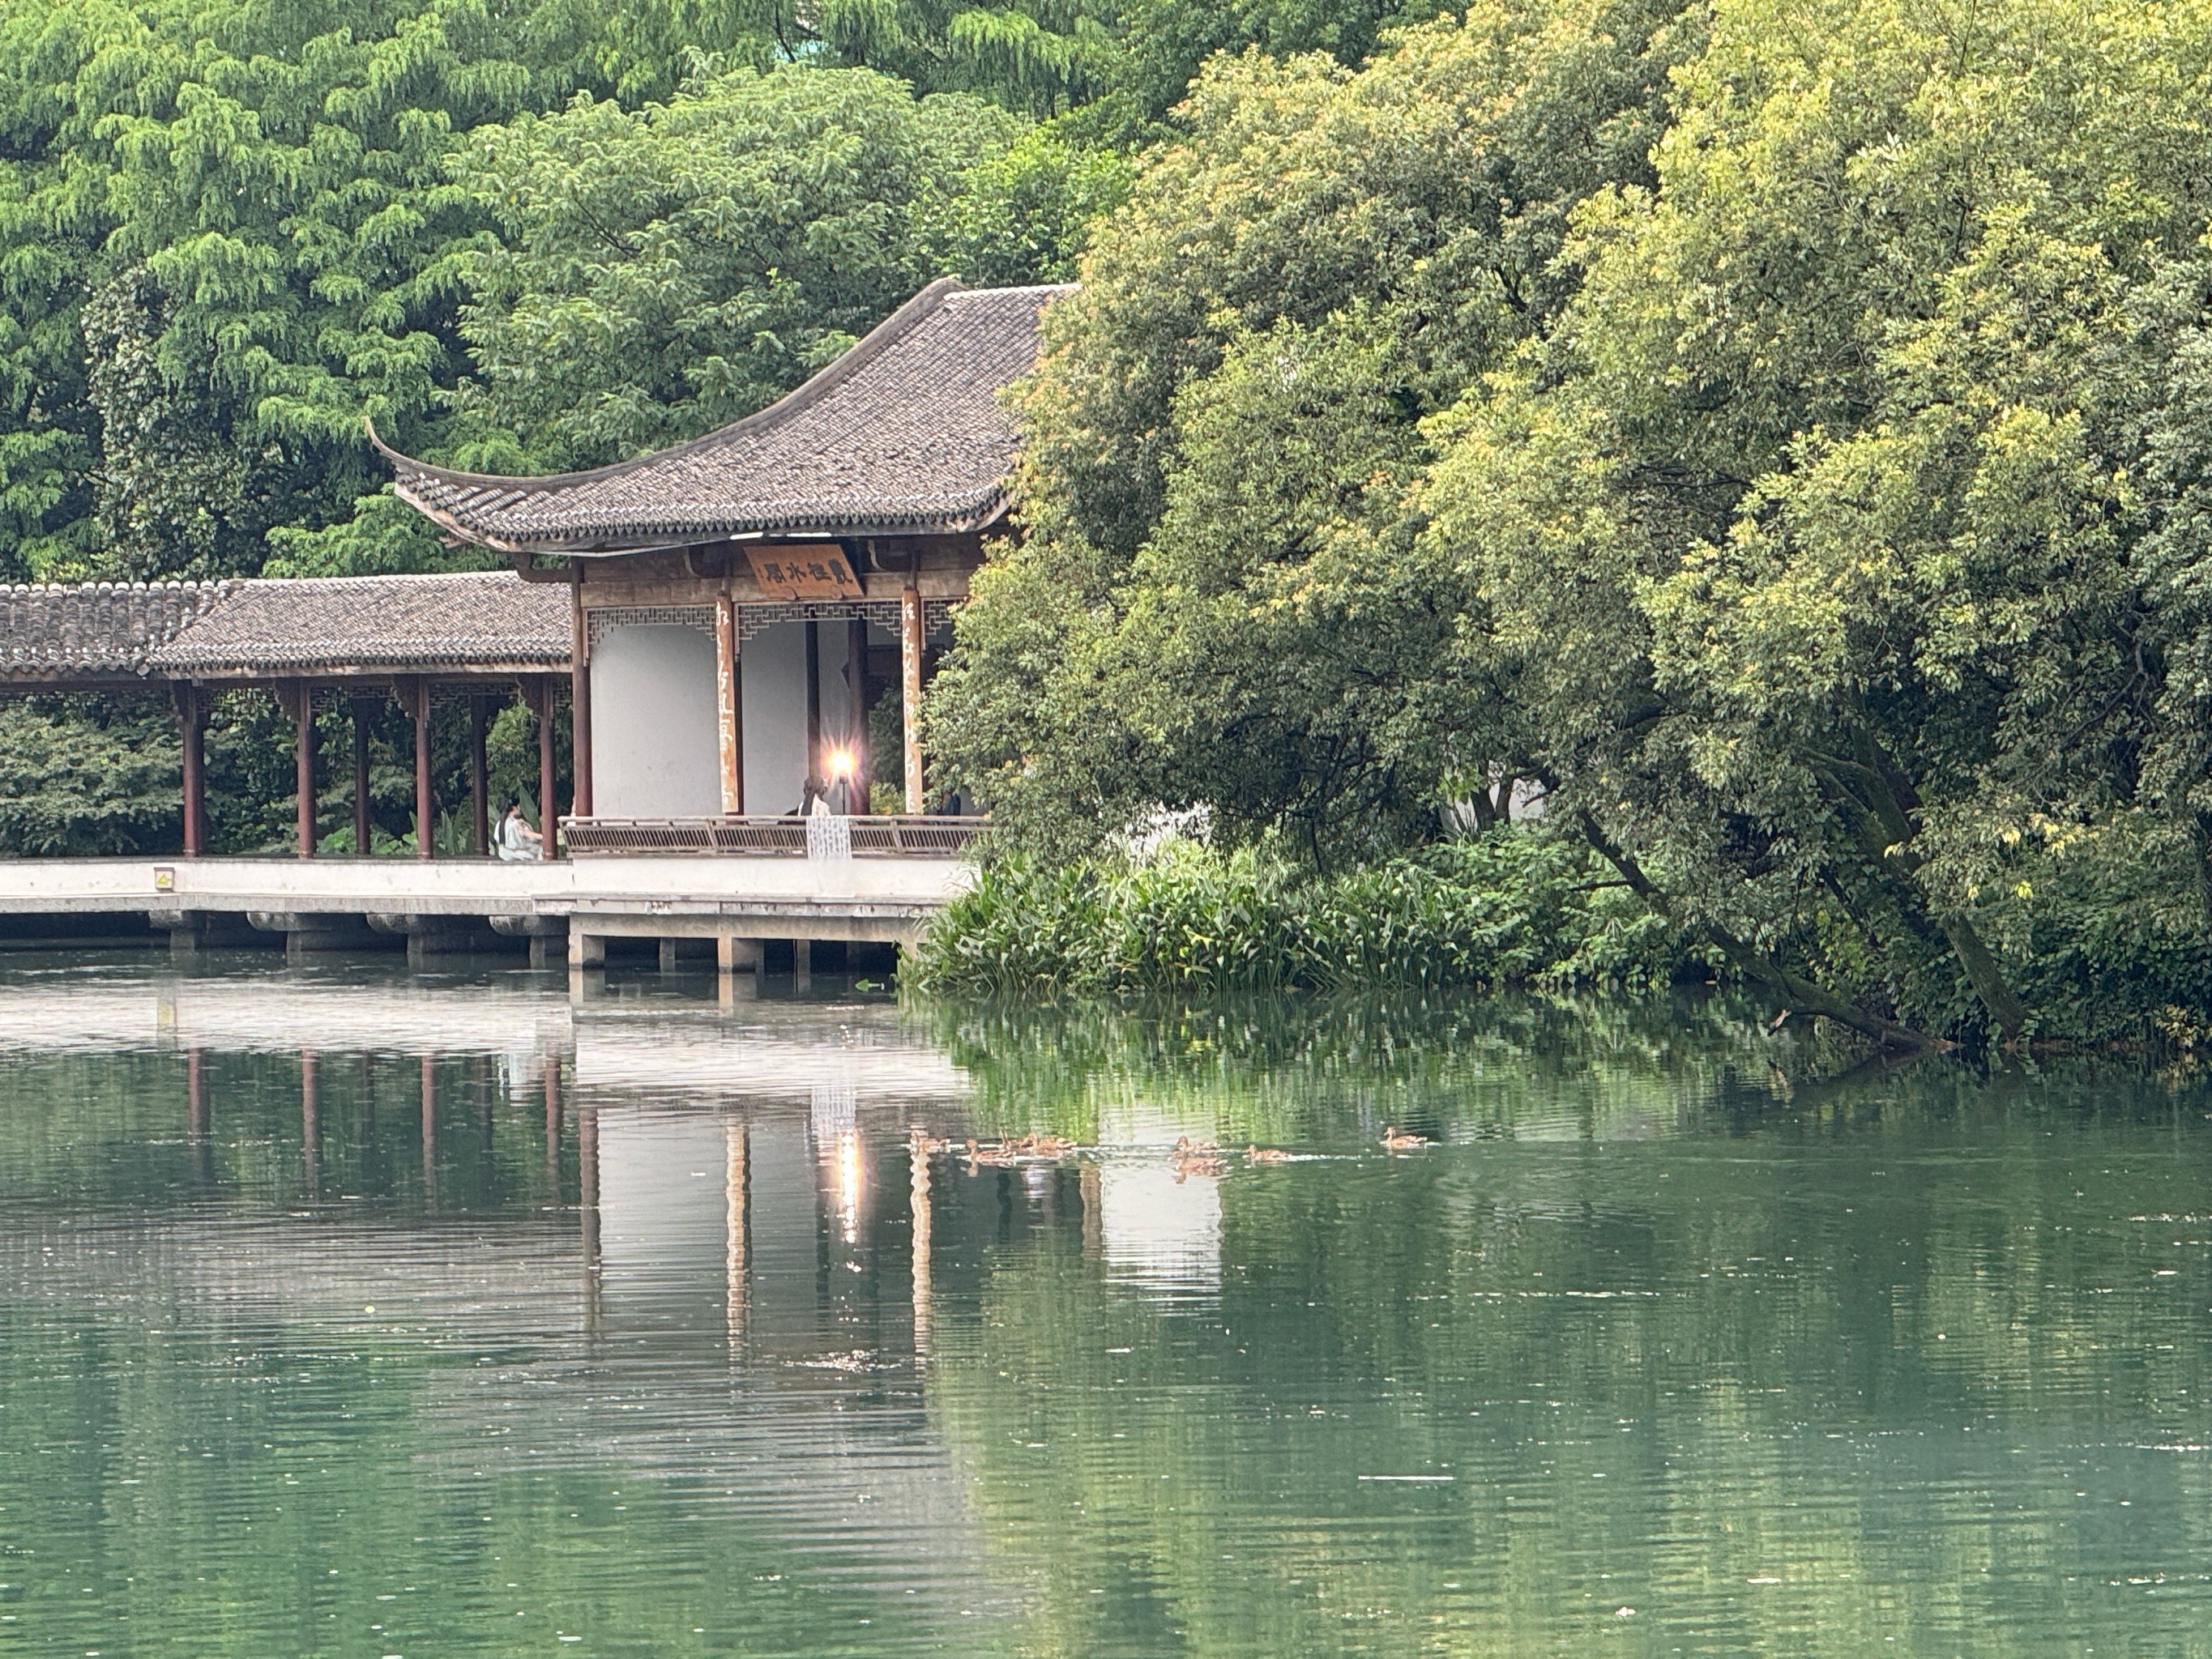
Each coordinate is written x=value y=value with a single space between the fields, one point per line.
x=549 y=809
x=729 y=685
x=479 y=784
x=414 y=695
x=192 y=725
x=856 y=671
x=912 y=639
x=579 y=702
x=363 y=831
x=816 y=763
x=297 y=699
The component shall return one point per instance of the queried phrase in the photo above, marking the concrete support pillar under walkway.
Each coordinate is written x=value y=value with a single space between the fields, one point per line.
x=311 y=932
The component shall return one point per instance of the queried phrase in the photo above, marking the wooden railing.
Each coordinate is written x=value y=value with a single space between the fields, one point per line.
x=773 y=837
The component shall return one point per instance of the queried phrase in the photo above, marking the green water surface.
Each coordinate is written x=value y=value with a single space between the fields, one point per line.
x=345 y=1313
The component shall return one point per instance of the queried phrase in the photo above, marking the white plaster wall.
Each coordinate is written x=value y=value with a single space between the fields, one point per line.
x=655 y=750
x=774 y=665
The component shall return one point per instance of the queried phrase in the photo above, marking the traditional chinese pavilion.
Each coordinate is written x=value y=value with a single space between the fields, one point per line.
x=739 y=604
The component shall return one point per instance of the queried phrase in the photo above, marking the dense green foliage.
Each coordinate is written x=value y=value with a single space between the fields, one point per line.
x=1775 y=429
x=1772 y=431
x=664 y=271
x=1508 y=908
x=519 y=233
x=514 y=232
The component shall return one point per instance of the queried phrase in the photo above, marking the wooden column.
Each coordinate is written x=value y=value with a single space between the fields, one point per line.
x=414 y=697
x=191 y=728
x=579 y=702
x=363 y=831
x=814 y=766
x=856 y=670
x=548 y=811
x=297 y=698
x=730 y=702
x=479 y=780
x=912 y=638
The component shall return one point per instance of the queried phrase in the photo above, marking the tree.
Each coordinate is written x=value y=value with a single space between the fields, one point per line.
x=1816 y=524
x=662 y=271
x=1221 y=598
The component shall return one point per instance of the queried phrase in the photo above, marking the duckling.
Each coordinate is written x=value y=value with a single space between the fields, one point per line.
x=1408 y=1142
x=1266 y=1155
x=1186 y=1147
x=1185 y=1167
x=1049 y=1147
x=927 y=1145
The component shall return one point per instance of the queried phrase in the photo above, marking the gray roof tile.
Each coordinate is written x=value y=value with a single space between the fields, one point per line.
x=488 y=621
x=95 y=629
x=903 y=434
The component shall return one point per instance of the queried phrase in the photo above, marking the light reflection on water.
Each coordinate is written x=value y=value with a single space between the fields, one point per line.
x=367 y=1315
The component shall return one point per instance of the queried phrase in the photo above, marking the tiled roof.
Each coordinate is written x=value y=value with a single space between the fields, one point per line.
x=95 y=629
x=487 y=622
x=902 y=433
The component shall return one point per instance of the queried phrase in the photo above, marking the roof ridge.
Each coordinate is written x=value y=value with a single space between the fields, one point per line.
x=173 y=584
x=810 y=391
x=339 y=577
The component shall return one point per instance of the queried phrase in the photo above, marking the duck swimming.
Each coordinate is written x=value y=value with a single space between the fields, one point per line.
x=1266 y=1155
x=1394 y=1142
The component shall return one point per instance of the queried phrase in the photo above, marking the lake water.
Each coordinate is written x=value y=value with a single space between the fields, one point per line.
x=343 y=1313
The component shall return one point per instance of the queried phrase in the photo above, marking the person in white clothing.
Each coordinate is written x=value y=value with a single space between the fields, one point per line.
x=517 y=842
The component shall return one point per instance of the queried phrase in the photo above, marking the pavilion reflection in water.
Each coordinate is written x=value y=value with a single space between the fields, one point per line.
x=754 y=1134
x=738 y=1177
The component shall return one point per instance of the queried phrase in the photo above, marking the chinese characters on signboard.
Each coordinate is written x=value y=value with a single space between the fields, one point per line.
x=803 y=573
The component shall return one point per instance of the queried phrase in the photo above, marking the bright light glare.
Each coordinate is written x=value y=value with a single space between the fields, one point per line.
x=841 y=762
x=850 y=1177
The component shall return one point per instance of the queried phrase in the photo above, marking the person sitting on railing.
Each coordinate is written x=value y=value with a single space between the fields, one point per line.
x=517 y=842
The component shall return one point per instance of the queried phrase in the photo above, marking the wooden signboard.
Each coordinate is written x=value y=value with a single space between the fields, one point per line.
x=803 y=573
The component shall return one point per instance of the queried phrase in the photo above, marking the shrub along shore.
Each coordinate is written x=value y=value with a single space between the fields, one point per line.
x=1505 y=909
x=1524 y=905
